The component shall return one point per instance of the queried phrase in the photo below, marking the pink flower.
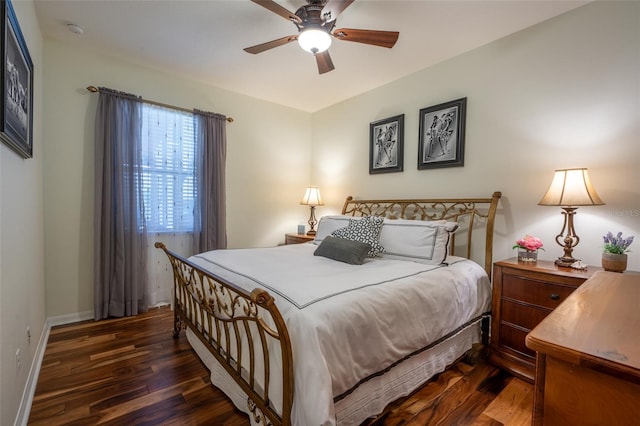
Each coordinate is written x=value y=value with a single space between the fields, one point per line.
x=529 y=242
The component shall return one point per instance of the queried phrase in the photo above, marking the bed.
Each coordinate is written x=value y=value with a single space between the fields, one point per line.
x=293 y=337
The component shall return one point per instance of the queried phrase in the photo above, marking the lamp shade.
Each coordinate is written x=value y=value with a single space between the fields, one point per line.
x=312 y=197
x=314 y=40
x=571 y=187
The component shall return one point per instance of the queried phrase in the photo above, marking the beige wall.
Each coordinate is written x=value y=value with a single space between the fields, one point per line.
x=22 y=280
x=564 y=93
x=267 y=163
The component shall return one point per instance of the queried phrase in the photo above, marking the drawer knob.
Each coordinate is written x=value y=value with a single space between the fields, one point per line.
x=554 y=296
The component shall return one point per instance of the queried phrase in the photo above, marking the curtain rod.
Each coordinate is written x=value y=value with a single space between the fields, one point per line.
x=94 y=89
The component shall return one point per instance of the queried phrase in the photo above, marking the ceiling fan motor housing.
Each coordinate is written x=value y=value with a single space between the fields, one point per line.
x=314 y=32
x=311 y=17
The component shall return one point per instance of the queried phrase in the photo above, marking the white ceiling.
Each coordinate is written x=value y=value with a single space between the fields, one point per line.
x=204 y=40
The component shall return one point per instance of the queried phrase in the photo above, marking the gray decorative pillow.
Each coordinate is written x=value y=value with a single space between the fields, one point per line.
x=365 y=230
x=347 y=251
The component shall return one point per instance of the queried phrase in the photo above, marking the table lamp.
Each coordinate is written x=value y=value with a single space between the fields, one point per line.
x=312 y=199
x=569 y=189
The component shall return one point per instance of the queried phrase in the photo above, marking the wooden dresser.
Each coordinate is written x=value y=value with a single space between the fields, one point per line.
x=523 y=294
x=588 y=355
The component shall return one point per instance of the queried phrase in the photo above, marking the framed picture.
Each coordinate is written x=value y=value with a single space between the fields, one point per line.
x=441 y=141
x=16 y=111
x=386 y=145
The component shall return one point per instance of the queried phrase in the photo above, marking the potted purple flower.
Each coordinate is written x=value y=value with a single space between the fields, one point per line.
x=614 y=257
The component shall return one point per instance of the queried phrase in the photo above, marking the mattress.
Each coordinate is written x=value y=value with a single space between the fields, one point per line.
x=360 y=334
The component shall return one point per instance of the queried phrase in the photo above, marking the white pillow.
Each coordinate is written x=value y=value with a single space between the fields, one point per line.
x=417 y=240
x=328 y=224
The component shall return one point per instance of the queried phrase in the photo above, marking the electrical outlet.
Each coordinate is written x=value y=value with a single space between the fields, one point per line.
x=17 y=360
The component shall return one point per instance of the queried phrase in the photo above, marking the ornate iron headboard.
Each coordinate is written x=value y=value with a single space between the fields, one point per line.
x=468 y=212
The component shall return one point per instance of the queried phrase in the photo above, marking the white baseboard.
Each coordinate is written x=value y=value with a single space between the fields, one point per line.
x=70 y=318
x=32 y=379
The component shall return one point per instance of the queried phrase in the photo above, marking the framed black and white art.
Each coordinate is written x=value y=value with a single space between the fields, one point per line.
x=441 y=142
x=386 y=145
x=16 y=111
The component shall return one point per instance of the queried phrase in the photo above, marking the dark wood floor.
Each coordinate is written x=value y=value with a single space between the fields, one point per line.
x=131 y=371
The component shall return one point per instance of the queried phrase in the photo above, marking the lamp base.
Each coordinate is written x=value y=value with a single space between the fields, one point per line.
x=312 y=221
x=565 y=262
x=568 y=241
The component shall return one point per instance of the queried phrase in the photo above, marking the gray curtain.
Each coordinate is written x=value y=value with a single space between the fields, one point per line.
x=120 y=274
x=210 y=222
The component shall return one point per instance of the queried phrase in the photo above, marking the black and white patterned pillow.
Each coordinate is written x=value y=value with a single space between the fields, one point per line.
x=365 y=230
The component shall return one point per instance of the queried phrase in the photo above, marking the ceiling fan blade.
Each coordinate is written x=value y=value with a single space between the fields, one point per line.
x=279 y=10
x=376 y=38
x=259 y=48
x=325 y=64
x=333 y=8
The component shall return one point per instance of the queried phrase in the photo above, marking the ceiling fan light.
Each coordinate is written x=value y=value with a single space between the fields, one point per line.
x=314 y=40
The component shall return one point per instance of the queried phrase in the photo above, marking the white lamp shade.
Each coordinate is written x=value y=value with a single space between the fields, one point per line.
x=314 y=40
x=312 y=197
x=571 y=187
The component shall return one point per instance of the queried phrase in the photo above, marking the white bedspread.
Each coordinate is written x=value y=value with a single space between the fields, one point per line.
x=348 y=322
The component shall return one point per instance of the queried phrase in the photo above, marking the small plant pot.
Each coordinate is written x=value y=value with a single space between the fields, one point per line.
x=613 y=262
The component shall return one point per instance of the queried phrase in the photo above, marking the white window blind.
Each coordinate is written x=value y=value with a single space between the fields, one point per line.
x=169 y=192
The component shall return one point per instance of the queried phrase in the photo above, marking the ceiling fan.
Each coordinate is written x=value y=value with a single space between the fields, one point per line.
x=315 y=22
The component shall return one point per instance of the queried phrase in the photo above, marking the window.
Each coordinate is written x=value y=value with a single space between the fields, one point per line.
x=168 y=170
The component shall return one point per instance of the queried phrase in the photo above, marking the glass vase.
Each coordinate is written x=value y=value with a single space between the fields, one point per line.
x=525 y=255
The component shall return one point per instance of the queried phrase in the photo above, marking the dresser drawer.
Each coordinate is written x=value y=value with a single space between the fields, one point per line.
x=514 y=339
x=525 y=316
x=533 y=292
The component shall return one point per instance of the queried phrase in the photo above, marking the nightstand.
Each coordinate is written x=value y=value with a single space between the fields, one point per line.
x=297 y=238
x=523 y=295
